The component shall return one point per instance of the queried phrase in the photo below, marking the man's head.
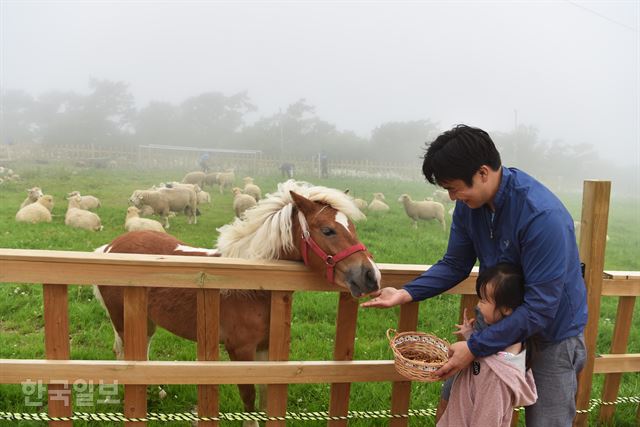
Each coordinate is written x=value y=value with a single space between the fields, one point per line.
x=465 y=162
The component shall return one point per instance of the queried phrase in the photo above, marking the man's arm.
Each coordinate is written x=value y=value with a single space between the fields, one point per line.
x=544 y=263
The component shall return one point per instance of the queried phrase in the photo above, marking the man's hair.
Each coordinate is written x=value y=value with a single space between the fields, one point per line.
x=508 y=285
x=458 y=154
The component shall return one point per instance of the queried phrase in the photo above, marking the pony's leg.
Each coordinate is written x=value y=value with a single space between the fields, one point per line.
x=262 y=356
x=247 y=391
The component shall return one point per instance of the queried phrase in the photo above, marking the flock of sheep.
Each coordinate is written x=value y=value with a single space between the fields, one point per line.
x=164 y=200
x=428 y=209
x=37 y=207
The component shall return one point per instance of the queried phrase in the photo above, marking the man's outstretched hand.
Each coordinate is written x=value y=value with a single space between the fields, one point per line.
x=387 y=297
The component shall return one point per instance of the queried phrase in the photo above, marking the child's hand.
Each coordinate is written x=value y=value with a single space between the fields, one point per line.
x=466 y=329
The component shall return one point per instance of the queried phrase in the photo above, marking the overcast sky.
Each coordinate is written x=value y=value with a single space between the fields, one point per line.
x=569 y=68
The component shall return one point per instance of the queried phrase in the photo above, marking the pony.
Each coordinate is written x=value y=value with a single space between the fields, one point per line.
x=300 y=222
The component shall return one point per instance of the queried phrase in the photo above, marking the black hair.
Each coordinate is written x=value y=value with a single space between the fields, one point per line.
x=508 y=285
x=458 y=154
x=508 y=292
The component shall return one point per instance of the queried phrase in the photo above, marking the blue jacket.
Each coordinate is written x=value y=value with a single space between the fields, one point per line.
x=530 y=228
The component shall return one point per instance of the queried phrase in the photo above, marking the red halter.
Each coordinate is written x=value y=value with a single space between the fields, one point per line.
x=330 y=260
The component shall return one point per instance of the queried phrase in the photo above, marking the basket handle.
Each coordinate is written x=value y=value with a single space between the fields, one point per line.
x=391 y=334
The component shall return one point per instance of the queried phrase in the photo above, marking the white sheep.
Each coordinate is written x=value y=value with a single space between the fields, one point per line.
x=242 y=202
x=133 y=222
x=40 y=211
x=80 y=218
x=361 y=204
x=203 y=197
x=426 y=210
x=158 y=202
x=252 y=189
x=225 y=180
x=196 y=177
x=378 y=204
x=86 y=202
x=33 y=194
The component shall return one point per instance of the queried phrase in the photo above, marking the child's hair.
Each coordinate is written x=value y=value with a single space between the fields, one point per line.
x=508 y=285
x=508 y=292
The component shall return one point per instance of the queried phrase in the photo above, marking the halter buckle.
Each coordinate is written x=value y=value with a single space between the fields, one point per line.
x=330 y=260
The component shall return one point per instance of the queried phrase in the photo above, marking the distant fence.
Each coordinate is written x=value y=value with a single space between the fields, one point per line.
x=243 y=161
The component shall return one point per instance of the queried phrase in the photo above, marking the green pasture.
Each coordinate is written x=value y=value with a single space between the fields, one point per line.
x=390 y=237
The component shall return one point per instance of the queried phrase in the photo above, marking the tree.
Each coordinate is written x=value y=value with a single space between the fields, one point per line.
x=212 y=119
x=402 y=141
x=17 y=117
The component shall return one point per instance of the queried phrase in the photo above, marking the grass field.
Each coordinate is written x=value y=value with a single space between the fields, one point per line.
x=389 y=237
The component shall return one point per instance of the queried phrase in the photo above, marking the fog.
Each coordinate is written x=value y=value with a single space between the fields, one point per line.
x=568 y=69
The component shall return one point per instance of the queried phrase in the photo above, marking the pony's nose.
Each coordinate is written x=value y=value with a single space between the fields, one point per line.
x=362 y=280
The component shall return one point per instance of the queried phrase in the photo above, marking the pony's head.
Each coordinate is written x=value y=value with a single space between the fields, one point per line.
x=328 y=243
x=273 y=230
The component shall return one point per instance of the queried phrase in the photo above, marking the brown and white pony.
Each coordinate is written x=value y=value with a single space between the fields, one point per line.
x=300 y=222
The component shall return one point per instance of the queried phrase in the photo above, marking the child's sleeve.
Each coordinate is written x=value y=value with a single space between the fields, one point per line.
x=492 y=406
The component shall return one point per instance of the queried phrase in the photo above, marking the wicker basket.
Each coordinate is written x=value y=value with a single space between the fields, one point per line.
x=418 y=355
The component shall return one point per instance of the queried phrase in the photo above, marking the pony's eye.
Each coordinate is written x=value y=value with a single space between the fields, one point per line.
x=328 y=231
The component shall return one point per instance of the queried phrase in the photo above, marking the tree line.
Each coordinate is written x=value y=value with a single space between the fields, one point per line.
x=107 y=115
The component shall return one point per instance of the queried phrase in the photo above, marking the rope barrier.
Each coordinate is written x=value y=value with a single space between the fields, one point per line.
x=262 y=416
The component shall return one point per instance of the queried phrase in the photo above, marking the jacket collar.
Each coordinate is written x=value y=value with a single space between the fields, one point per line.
x=498 y=200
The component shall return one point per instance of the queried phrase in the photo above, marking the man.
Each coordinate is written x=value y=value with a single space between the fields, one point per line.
x=504 y=215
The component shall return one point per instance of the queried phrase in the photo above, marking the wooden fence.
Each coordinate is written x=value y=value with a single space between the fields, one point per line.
x=142 y=157
x=58 y=269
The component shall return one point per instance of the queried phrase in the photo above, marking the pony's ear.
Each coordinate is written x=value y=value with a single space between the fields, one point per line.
x=305 y=205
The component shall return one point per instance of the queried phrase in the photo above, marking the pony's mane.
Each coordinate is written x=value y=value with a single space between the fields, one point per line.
x=264 y=231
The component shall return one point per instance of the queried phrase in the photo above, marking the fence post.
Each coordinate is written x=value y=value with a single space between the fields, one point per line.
x=56 y=342
x=401 y=390
x=344 y=347
x=593 y=240
x=208 y=336
x=279 y=343
x=135 y=348
x=624 y=317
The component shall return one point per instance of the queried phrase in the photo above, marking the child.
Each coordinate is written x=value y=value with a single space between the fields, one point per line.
x=485 y=393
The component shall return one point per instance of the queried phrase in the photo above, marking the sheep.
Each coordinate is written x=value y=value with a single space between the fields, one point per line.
x=203 y=197
x=86 y=202
x=378 y=204
x=423 y=210
x=133 y=222
x=196 y=177
x=442 y=196
x=242 y=202
x=360 y=203
x=33 y=194
x=166 y=200
x=211 y=178
x=251 y=189
x=80 y=218
x=225 y=180
x=40 y=211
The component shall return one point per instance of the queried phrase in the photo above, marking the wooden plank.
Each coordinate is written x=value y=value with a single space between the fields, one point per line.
x=135 y=348
x=84 y=268
x=593 y=233
x=617 y=363
x=346 y=321
x=279 y=343
x=467 y=302
x=627 y=287
x=401 y=390
x=208 y=349
x=57 y=347
x=15 y=371
x=624 y=317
